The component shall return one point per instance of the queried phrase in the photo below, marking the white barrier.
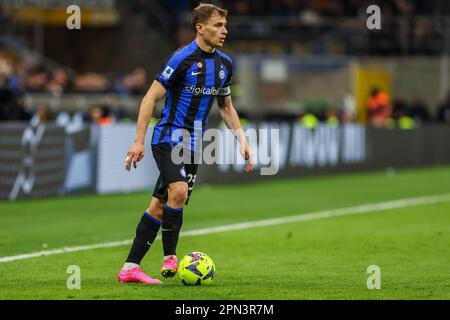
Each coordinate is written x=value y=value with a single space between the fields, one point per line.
x=113 y=144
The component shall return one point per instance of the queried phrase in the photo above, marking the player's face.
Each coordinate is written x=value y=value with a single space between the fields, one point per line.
x=215 y=31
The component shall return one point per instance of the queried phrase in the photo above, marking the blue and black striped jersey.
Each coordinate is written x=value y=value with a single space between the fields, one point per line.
x=192 y=78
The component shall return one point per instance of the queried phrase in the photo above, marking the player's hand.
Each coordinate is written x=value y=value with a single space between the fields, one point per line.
x=134 y=155
x=247 y=154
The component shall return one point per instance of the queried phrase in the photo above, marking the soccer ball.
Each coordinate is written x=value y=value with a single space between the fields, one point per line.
x=196 y=268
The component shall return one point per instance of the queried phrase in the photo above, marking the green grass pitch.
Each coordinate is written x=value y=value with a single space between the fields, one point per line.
x=320 y=259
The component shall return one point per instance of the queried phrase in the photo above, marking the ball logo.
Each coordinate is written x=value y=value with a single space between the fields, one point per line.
x=199 y=65
x=221 y=74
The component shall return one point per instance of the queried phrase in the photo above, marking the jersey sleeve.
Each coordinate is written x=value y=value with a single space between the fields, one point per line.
x=170 y=73
x=226 y=88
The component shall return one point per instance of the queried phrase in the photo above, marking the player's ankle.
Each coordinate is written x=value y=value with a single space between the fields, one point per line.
x=130 y=265
x=170 y=256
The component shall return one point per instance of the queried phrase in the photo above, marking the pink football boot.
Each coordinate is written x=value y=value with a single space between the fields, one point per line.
x=170 y=267
x=136 y=275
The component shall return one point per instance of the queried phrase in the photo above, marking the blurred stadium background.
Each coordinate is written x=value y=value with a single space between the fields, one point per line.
x=313 y=70
x=346 y=99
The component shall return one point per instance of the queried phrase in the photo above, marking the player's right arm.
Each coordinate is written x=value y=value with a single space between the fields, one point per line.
x=137 y=149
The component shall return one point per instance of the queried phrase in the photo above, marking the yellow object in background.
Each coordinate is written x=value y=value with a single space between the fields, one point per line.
x=90 y=17
x=406 y=123
x=332 y=121
x=309 y=121
x=364 y=79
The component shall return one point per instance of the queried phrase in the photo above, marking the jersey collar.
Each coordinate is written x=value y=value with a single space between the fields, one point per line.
x=203 y=53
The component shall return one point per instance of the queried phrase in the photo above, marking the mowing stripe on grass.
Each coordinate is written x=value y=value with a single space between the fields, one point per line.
x=367 y=208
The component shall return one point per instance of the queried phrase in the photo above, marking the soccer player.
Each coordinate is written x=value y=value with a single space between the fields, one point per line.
x=191 y=79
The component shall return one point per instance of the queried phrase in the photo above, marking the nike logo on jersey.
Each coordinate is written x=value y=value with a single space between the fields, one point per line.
x=195 y=73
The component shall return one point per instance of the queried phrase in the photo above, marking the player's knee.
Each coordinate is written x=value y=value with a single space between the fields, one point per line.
x=156 y=208
x=179 y=198
x=156 y=211
x=178 y=194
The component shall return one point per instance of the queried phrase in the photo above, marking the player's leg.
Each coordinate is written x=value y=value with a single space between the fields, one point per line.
x=172 y=221
x=146 y=233
x=178 y=197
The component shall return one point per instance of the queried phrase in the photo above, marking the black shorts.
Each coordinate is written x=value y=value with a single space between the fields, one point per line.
x=170 y=172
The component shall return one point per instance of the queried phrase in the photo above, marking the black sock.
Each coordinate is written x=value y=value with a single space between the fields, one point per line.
x=146 y=232
x=171 y=225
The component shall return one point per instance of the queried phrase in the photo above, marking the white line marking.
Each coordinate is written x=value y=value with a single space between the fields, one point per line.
x=367 y=208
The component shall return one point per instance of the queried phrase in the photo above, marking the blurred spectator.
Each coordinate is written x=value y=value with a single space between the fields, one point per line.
x=240 y=7
x=11 y=107
x=400 y=107
x=332 y=117
x=419 y=111
x=59 y=82
x=18 y=78
x=348 y=108
x=100 y=115
x=328 y=8
x=426 y=39
x=29 y=76
x=42 y=114
x=95 y=113
x=136 y=82
x=91 y=82
x=36 y=80
x=443 y=114
x=122 y=115
x=6 y=95
x=378 y=107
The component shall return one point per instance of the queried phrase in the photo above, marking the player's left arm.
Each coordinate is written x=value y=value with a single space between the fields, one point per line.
x=231 y=118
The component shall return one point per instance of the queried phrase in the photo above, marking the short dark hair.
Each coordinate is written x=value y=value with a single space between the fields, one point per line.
x=204 y=11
